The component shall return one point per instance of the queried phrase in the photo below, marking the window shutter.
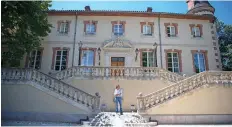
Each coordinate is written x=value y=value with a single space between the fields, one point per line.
x=173 y=30
x=176 y=28
x=58 y=25
x=94 y=27
x=151 y=24
x=113 y=23
x=166 y=27
x=191 y=26
x=66 y=27
x=123 y=26
x=168 y=31
x=197 y=30
x=144 y=29
x=85 y=23
x=193 y=31
x=201 y=31
x=152 y=29
x=142 y=26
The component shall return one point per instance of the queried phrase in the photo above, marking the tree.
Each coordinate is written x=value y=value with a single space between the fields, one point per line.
x=225 y=42
x=24 y=24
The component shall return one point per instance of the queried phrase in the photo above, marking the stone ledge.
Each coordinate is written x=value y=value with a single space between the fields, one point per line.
x=43 y=117
x=192 y=119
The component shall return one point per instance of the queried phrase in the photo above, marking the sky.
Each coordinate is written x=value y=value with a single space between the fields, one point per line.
x=223 y=8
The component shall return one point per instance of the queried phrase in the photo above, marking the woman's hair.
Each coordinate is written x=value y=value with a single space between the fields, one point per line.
x=117 y=86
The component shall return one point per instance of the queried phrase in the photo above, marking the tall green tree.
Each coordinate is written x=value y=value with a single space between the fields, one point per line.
x=225 y=42
x=24 y=24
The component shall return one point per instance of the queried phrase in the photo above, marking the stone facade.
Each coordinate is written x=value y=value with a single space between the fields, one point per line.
x=88 y=39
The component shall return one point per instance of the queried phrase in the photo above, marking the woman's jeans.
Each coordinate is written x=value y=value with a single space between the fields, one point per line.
x=118 y=100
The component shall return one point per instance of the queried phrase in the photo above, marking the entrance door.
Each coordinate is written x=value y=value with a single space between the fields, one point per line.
x=116 y=62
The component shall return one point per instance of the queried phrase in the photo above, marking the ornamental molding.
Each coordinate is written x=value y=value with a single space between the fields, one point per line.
x=117 y=42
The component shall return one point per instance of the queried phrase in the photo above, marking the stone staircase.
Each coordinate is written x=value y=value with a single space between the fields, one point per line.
x=111 y=118
x=52 y=86
x=181 y=87
x=90 y=103
x=137 y=73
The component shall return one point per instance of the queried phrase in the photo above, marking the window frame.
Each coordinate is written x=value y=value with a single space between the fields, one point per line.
x=61 y=55
x=35 y=59
x=63 y=27
x=205 y=54
x=118 y=29
x=145 y=30
x=89 y=29
x=147 y=59
x=169 y=32
x=199 y=62
x=172 y=62
x=82 y=51
x=194 y=30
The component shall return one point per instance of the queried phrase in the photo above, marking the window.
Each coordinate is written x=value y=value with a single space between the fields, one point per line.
x=199 y=62
x=61 y=60
x=196 y=32
x=118 y=29
x=63 y=28
x=90 y=29
x=87 y=58
x=35 y=59
x=171 y=31
x=147 y=30
x=147 y=59
x=173 y=62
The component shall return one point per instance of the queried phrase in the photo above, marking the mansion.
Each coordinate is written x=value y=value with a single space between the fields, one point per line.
x=168 y=66
x=181 y=43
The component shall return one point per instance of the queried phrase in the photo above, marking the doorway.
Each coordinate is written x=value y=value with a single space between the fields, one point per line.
x=117 y=62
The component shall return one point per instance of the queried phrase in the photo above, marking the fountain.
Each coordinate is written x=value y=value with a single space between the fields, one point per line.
x=117 y=120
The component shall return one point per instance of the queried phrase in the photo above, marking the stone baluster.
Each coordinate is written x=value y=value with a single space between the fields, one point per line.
x=96 y=105
x=56 y=86
x=126 y=72
x=83 y=98
x=101 y=72
x=140 y=103
x=28 y=74
x=78 y=94
x=80 y=69
x=73 y=72
x=77 y=71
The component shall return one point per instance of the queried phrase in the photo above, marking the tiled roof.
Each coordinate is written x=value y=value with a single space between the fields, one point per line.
x=129 y=12
x=114 y=11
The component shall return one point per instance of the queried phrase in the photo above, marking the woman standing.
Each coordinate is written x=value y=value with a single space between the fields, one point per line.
x=118 y=98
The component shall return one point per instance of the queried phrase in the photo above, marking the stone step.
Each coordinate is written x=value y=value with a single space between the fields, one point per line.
x=90 y=119
x=85 y=123
x=150 y=124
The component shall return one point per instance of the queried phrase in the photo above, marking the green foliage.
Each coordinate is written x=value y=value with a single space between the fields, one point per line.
x=24 y=24
x=225 y=43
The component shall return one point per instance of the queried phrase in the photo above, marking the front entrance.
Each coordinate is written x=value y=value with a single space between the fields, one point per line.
x=117 y=62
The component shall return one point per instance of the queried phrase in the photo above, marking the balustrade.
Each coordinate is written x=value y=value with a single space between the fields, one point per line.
x=55 y=85
x=183 y=86
x=119 y=72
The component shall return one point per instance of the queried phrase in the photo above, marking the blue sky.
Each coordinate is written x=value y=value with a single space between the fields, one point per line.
x=223 y=8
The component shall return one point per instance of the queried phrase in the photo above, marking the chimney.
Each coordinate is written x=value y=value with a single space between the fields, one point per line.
x=149 y=9
x=87 y=8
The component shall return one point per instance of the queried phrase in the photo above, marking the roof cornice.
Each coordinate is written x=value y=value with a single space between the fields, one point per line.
x=126 y=13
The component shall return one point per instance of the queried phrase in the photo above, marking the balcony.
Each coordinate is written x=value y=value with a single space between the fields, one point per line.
x=107 y=73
